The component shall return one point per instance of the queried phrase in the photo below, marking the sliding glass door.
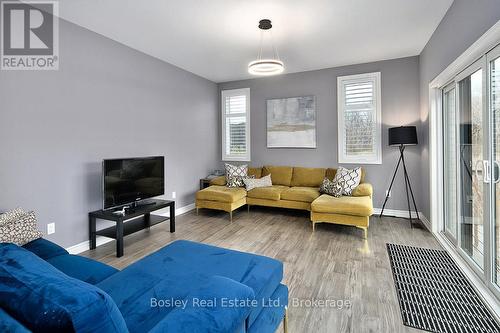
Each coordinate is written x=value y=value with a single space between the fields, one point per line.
x=493 y=60
x=450 y=161
x=471 y=153
x=473 y=165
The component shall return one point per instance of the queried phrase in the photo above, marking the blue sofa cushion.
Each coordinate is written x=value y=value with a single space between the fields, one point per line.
x=196 y=317
x=44 y=299
x=179 y=268
x=81 y=268
x=9 y=324
x=44 y=249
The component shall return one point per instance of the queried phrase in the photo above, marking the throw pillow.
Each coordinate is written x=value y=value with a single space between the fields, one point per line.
x=331 y=187
x=236 y=171
x=11 y=216
x=238 y=181
x=350 y=179
x=235 y=174
x=21 y=231
x=250 y=183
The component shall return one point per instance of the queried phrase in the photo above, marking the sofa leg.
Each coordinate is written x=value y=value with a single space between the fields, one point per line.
x=231 y=217
x=313 y=224
x=197 y=211
x=285 y=320
x=365 y=232
x=248 y=208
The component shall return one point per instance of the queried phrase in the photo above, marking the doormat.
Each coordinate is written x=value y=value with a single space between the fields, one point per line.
x=434 y=295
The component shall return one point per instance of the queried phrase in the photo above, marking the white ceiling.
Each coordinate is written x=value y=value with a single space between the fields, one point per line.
x=217 y=38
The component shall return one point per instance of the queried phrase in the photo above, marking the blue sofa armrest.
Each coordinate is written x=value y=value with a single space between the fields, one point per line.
x=221 y=305
x=45 y=249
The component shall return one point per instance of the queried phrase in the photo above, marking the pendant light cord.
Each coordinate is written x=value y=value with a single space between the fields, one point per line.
x=259 y=56
x=273 y=46
x=275 y=49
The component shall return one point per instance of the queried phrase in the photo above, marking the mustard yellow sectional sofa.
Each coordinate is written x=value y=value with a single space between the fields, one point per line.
x=295 y=188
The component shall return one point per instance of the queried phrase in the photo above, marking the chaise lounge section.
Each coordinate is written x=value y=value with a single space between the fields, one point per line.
x=44 y=288
x=294 y=188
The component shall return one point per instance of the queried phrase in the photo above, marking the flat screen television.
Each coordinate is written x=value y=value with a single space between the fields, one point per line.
x=129 y=180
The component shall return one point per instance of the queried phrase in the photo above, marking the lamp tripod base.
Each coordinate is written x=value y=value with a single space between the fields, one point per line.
x=409 y=191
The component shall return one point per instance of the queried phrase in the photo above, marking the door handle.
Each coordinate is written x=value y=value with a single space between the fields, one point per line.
x=496 y=172
x=486 y=171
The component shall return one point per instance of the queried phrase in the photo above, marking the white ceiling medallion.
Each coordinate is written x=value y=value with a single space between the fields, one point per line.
x=266 y=66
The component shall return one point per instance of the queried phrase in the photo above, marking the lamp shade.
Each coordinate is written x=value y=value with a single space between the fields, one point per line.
x=403 y=135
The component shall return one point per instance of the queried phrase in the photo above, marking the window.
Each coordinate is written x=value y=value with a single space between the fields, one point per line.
x=359 y=119
x=236 y=125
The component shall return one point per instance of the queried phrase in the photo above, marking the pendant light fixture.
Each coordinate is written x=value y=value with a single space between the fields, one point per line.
x=261 y=66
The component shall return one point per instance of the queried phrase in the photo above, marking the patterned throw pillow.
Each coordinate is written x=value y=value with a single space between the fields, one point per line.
x=21 y=231
x=250 y=184
x=11 y=216
x=331 y=187
x=238 y=181
x=235 y=170
x=350 y=178
x=235 y=174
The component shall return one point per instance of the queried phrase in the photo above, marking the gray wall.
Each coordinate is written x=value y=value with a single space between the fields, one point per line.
x=105 y=101
x=462 y=25
x=400 y=106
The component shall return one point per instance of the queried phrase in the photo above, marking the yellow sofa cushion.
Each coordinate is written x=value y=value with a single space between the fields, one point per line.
x=221 y=193
x=256 y=172
x=357 y=206
x=221 y=181
x=269 y=192
x=309 y=177
x=330 y=173
x=280 y=175
x=364 y=189
x=303 y=194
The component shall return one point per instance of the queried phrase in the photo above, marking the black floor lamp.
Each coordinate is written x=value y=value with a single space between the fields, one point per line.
x=403 y=136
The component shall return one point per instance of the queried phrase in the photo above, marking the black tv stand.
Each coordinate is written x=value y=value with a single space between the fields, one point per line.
x=139 y=204
x=136 y=218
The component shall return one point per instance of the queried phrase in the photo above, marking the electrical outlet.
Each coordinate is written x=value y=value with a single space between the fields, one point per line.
x=51 y=228
x=173 y=195
x=388 y=193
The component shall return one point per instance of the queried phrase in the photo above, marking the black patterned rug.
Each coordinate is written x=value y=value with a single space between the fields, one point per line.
x=434 y=295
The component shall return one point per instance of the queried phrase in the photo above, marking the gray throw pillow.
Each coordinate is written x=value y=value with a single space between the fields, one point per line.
x=11 y=216
x=237 y=181
x=21 y=231
x=250 y=184
x=331 y=187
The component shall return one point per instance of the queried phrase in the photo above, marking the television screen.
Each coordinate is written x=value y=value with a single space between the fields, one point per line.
x=129 y=180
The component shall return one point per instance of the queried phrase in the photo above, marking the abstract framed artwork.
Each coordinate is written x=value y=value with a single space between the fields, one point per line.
x=291 y=122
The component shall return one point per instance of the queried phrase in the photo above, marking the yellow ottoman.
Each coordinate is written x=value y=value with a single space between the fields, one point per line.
x=347 y=210
x=221 y=198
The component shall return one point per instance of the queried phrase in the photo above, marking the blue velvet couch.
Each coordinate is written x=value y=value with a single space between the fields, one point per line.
x=183 y=287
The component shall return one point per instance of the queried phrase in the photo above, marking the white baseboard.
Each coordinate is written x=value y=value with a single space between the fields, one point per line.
x=100 y=240
x=178 y=211
x=84 y=246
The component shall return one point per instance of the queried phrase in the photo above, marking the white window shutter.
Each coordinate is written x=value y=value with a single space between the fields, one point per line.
x=359 y=120
x=236 y=125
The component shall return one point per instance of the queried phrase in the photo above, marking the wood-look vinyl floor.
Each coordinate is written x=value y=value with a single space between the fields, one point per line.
x=333 y=263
